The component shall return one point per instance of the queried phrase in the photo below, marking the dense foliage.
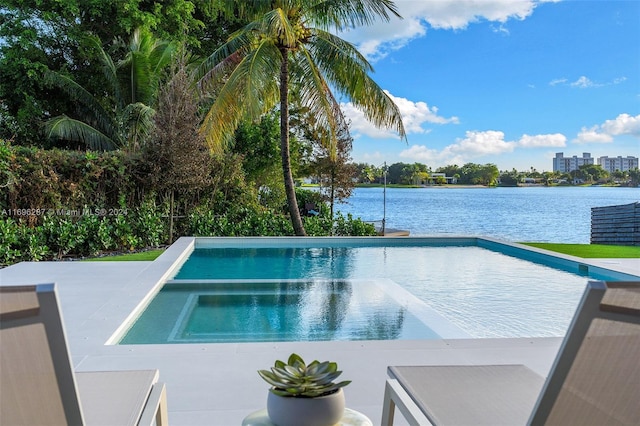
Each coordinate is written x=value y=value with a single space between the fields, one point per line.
x=59 y=203
x=78 y=78
x=39 y=36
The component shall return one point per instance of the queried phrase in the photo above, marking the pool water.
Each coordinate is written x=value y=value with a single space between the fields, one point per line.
x=281 y=311
x=346 y=291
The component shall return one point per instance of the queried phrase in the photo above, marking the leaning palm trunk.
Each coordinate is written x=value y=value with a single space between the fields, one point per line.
x=289 y=187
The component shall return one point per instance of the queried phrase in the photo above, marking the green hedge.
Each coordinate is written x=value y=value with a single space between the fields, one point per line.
x=66 y=235
x=33 y=178
x=60 y=203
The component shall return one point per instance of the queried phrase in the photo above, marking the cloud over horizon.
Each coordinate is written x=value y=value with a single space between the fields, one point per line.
x=477 y=144
x=414 y=116
x=623 y=124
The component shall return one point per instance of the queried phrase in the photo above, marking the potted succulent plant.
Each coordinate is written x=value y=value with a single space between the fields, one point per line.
x=304 y=395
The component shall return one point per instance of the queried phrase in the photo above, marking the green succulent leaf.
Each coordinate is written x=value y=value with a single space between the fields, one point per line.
x=297 y=379
x=295 y=358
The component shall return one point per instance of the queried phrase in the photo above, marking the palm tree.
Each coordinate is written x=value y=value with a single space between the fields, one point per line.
x=133 y=84
x=288 y=43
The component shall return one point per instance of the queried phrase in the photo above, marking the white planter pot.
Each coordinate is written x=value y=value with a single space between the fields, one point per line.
x=322 y=411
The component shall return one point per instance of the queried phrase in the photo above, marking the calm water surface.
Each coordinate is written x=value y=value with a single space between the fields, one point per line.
x=485 y=293
x=559 y=214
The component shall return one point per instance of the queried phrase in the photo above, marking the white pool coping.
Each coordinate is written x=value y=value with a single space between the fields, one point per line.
x=217 y=384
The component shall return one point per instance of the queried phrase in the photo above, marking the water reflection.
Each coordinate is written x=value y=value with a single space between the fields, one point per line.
x=293 y=311
x=383 y=326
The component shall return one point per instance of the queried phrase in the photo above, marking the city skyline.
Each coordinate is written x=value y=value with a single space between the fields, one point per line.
x=504 y=82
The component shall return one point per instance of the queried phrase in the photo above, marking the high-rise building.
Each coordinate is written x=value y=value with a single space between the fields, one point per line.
x=622 y=164
x=564 y=164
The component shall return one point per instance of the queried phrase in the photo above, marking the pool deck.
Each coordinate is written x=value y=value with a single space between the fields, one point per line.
x=217 y=384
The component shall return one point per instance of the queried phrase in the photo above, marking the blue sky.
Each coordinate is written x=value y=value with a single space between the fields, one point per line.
x=504 y=82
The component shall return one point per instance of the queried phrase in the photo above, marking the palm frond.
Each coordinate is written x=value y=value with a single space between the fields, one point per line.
x=162 y=55
x=276 y=24
x=96 y=113
x=315 y=95
x=339 y=48
x=253 y=80
x=250 y=9
x=345 y=69
x=67 y=128
x=224 y=59
x=110 y=71
x=145 y=58
x=138 y=120
x=342 y=14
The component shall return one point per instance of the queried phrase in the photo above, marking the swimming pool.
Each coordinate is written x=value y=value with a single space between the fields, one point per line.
x=222 y=311
x=476 y=287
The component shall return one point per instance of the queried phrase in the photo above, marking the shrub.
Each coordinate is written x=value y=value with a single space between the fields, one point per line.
x=61 y=234
x=149 y=225
x=352 y=227
x=9 y=239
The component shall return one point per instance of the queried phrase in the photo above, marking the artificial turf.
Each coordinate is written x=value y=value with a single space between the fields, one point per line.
x=139 y=256
x=591 y=250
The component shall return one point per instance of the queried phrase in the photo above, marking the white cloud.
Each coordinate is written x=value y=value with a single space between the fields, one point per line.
x=584 y=82
x=482 y=143
x=623 y=124
x=422 y=154
x=540 y=141
x=557 y=81
x=377 y=40
x=414 y=116
x=592 y=135
x=477 y=144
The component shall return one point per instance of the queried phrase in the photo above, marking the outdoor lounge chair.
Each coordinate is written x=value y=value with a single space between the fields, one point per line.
x=595 y=379
x=38 y=385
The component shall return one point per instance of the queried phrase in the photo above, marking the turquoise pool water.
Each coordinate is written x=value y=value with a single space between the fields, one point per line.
x=235 y=290
x=281 y=311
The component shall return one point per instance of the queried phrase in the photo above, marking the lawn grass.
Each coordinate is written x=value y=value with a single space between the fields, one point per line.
x=591 y=250
x=139 y=256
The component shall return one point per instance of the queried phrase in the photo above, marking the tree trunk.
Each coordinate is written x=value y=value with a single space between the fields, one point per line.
x=171 y=218
x=332 y=196
x=289 y=187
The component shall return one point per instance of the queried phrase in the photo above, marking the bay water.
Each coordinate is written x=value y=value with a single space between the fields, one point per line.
x=523 y=214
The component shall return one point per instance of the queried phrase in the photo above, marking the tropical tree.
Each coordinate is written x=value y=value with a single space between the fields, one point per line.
x=593 y=172
x=288 y=43
x=178 y=156
x=334 y=170
x=365 y=173
x=40 y=35
x=133 y=84
x=634 y=177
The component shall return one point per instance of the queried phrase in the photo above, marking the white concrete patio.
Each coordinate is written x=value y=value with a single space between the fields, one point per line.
x=217 y=384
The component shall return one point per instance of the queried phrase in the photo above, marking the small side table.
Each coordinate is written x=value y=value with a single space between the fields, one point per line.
x=350 y=418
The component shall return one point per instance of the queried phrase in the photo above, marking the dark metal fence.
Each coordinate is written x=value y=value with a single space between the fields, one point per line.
x=618 y=225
